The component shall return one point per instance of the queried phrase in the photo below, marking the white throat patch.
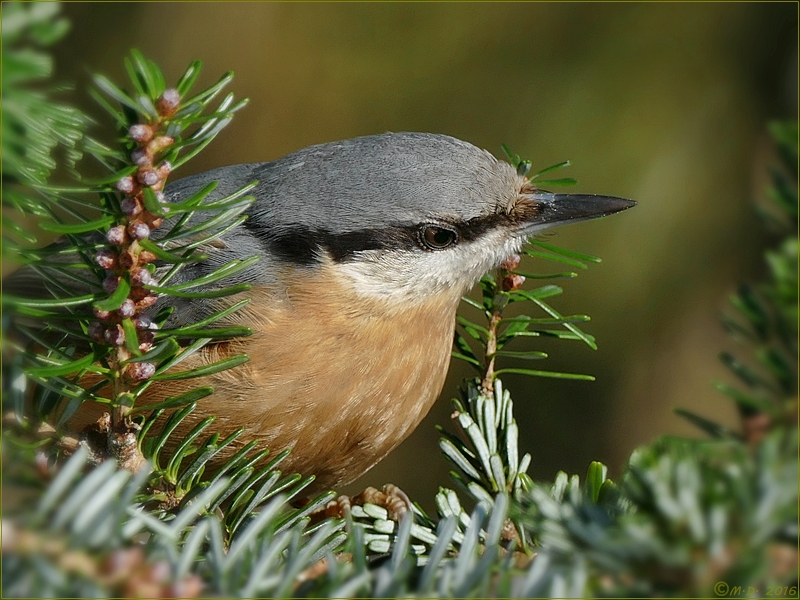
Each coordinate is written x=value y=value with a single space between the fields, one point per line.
x=415 y=275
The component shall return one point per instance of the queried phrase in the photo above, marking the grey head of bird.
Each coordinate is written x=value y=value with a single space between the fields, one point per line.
x=401 y=216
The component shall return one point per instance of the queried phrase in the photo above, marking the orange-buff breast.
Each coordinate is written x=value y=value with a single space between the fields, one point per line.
x=338 y=379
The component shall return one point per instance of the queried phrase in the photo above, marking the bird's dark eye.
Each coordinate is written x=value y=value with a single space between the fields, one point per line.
x=436 y=237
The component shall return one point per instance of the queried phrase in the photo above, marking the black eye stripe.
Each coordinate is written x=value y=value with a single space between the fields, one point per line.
x=305 y=246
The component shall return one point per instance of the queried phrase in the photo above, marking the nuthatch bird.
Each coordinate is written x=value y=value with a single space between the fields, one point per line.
x=367 y=246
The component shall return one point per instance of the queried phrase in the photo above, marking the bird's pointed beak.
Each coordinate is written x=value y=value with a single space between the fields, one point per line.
x=558 y=209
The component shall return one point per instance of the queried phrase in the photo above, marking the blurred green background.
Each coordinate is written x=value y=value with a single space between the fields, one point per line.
x=664 y=103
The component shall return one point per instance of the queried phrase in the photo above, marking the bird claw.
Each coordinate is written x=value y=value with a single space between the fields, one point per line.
x=105 y=440
x=390 y=497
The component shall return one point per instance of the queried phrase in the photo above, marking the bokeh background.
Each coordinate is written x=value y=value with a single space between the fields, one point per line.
x=665 y=103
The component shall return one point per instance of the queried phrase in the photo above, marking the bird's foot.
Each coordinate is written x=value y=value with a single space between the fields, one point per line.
x=104 y=441
x=390 y=497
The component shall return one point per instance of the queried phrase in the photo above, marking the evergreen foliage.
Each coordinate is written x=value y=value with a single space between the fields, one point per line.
x=688 y=517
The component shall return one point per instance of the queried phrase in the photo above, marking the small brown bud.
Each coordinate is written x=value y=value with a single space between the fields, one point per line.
x=164 y=169
x=147 y=177
x=127 y=309
x=115 y=335
x=512 y=281
x=160 y=143
x=167 y=105
x=510 y=263
x=139 y=231
x=141 y=276
x=155 y=222
x=126 y=185
x=142 y=157
x=146 y=302
x=110 y=284
x=139 y=371
x=144 y=322
x=141 y=133
x=117 y=235
x=145 y=256
x=103 y=315
x=106 y=259
x=146 y=339
x=145 y=299
x=131 y=207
